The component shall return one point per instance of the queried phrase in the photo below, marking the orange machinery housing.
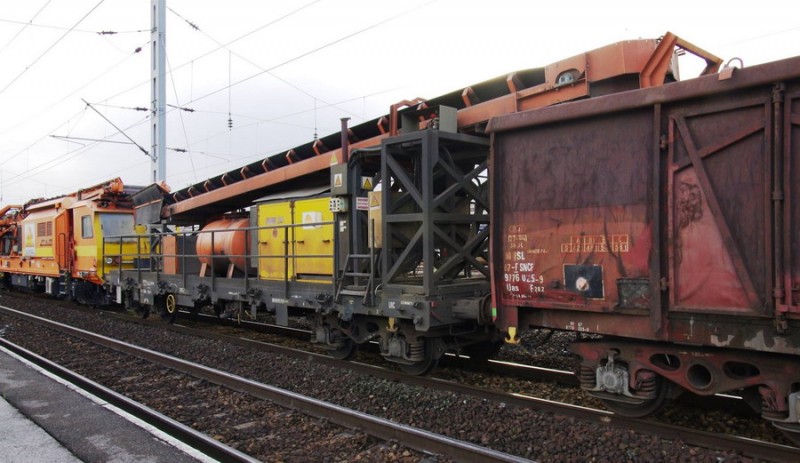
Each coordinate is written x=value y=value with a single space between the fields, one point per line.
x=56 y=245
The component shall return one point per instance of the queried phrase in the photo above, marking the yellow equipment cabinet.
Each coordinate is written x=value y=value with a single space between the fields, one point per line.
x=298 y=241
x=274 y=242
x=313 y=238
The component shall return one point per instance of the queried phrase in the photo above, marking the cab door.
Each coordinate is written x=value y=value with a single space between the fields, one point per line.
x=63 y=241
x=85 y=239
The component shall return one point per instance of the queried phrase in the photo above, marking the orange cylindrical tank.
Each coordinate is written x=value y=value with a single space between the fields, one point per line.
x=227 y=240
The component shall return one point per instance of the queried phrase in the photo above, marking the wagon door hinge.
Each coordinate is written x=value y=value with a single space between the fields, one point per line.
x=782 y=309
x=781 y=321
x=778 y=92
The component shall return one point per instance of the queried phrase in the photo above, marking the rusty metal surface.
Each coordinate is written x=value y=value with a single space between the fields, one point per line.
x=765 y=74
x=791 y=145
x=626 y=215
x=583 y=220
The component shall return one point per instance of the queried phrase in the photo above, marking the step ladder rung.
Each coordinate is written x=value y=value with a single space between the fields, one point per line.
x=350 y=292
x=353 y=275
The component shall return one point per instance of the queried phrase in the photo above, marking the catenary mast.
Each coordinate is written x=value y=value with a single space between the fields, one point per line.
x=159 y=91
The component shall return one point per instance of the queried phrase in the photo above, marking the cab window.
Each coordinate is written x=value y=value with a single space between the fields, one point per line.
x=86 y=227
x=118 y=226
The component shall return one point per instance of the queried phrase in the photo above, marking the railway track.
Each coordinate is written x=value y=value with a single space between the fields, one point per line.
x=185 y=434
x=746 y=446
x=411 y=437
x=693 y=437
x=500 y=367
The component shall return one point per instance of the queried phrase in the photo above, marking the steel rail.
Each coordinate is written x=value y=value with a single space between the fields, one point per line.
x=500 y=367
x=185 y=434
x=699 y=438
x=774 y=452
x=411 y=437
x=458 y=361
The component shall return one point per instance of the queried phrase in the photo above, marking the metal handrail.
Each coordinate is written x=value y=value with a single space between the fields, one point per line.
x=249 y=256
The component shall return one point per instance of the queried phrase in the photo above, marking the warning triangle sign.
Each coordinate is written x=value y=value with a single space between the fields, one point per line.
x=366 y=183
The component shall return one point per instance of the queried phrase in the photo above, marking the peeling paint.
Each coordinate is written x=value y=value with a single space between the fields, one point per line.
x=716 y=341
x=773 y=343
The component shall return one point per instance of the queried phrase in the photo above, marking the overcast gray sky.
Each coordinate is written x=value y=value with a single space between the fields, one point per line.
x=296 y=67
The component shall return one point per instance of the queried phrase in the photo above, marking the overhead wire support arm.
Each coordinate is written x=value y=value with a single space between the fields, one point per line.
x=61 y=137
x=120 y=130
x=188 y=110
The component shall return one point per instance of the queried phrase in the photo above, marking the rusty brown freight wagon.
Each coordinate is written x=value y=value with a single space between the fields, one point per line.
x=665 y=219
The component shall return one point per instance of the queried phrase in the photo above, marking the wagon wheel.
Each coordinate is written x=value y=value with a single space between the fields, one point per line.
x=172 y=305
x=646 y=407
x=431 y=359
x=169 y=308
x=345 y=351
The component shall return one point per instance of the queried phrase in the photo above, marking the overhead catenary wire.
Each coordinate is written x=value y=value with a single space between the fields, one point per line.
x=64 y=28
x=36 y=60
x=25 y=26
x=305 y=54
x=315 y=50
x=61 y=159
x=232 y=53
x=138 y=49
x=182 y=109
x=230 y=42
x=310 y=52
x=230 y=121
x=260 y=155
x=248 y=61
x=37 y=115
x=277 y=119
x=67 y=138
x=51 y=106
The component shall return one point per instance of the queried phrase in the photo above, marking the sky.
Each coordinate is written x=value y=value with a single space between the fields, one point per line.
x=285 y=71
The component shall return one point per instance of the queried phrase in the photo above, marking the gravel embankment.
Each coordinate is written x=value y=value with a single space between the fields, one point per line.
x=523 y=432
